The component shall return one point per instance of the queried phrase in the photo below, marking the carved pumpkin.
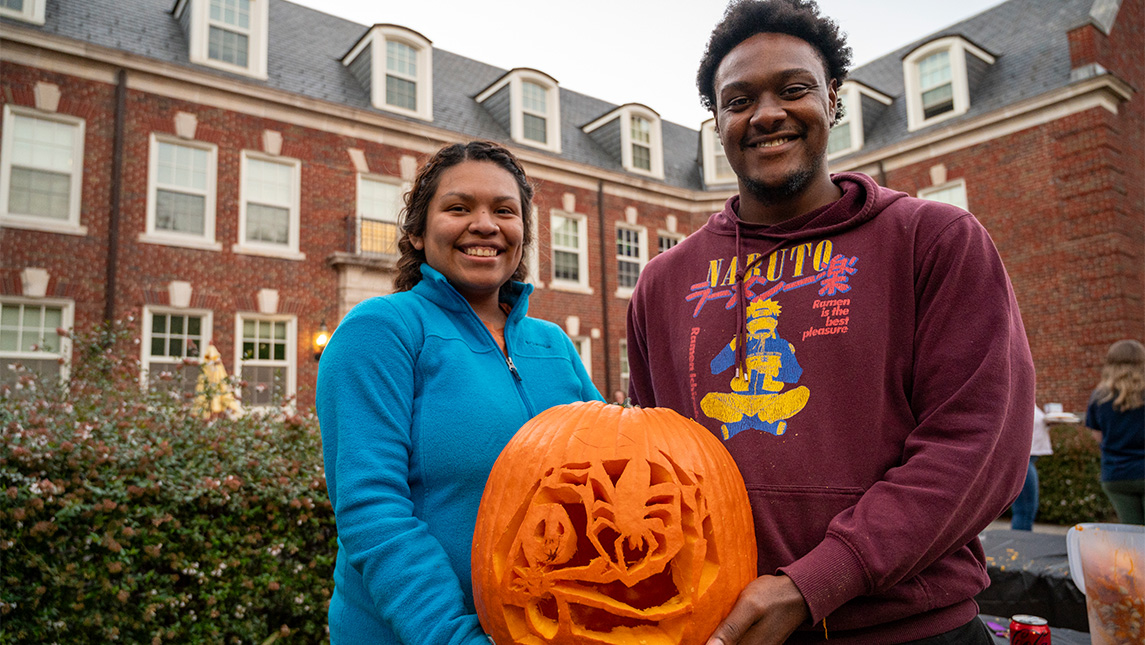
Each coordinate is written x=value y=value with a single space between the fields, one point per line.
x=604 y=524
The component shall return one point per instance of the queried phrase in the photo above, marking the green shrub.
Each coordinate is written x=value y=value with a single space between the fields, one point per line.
x=1070 y=479
x=125 y=516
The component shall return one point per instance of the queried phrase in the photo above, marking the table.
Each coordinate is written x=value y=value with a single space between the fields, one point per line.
x=1058 y=635
x=1029 y=574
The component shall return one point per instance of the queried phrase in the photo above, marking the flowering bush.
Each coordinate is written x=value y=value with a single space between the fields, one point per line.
x=1069 y=481
x=126 y=516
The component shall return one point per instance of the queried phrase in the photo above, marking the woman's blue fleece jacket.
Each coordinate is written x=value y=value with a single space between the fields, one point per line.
x=416 y=401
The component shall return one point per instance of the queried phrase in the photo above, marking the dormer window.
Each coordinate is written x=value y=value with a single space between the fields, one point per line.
x=935 y=84
x=395 y=64
x=862 y=106
x=526 y=103
x=534 y=117
x=230 y=35
x=637 y=130
x=27 y=10
x=717 y=170
x=401 y=75
x=939 y=77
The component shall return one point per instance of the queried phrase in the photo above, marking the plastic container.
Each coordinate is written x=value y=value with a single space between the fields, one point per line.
x=1107 y=563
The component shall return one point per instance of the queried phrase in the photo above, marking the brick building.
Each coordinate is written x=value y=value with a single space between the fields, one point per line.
x=228 y=171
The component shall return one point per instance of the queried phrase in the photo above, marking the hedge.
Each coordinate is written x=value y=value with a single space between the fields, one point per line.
x=1069 y=481
x=125 y=516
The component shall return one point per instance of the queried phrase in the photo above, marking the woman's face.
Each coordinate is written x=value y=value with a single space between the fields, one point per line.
x=474 y=229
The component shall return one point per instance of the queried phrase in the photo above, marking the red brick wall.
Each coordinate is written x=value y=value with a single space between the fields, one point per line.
x=76 y=264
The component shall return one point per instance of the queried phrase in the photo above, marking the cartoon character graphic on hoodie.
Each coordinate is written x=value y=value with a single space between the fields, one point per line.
x=757 y=401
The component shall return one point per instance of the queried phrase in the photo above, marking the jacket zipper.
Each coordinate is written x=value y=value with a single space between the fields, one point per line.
x=516 y=377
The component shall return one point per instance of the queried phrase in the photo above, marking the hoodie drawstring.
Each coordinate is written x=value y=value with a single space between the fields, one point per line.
x=742 y=271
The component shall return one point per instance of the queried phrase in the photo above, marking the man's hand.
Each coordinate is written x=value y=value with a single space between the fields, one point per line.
x=768 y=611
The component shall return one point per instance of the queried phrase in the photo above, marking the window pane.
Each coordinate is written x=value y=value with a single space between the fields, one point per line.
x=181 y=166
x=227 y=46
x=534 y=128
x=566 y=266
x=934 y=70
x=43 y=144
x=401 y=58
x=379 y=200
x=14 y=5
x=280 y=330
x=378 y=237
x=269 y=182
x=401 y=93
x=180 y=213
x=627 y=272
x=641 y=157
x=177 y=324
x=566 y=233
x=840 y=138
x=280 y=351
x=937 y=101
x=267 y=224
x=533 y=97
x=641 y=130
x=39 y=193
x=628 y=242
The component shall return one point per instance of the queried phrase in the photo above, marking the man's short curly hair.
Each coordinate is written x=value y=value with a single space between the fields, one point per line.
x=800 y=18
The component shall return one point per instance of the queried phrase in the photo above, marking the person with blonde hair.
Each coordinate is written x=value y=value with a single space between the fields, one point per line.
x=1116 y=414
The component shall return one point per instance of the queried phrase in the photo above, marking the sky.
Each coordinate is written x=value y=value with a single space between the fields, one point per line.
x=629 y=51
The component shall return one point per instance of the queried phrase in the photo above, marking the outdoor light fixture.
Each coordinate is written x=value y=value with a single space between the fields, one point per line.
x=320 y=339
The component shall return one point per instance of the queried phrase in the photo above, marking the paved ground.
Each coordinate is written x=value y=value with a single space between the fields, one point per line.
x=1004 y=523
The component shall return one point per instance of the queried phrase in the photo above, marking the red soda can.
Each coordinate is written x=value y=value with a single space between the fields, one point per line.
x=1029 y=630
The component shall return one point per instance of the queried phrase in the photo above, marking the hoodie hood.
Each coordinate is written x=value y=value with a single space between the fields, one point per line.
x=862 y=200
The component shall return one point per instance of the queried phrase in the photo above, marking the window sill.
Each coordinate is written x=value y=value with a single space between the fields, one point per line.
x=282 y=254
x=570 y=287
x=47 y=226
x=190 y=243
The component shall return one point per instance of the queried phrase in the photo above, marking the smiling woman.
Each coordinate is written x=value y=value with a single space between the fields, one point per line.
x=401 y=372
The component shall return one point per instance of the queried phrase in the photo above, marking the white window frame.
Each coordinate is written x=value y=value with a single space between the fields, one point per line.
x=515 y=79
x=582 y=284
x=33 y=12
x=290 y=250
x=958 y=49
x=622 y=365
x=712 y=149
x=533 y=253
x=359 y=215
x=67 y=321
x=852 y=94
x=291 y=362
x=657 y=142
x=70 y=226
x=147 y=328
x=173 y=238
x=675 y=237
x=375 y=41
x=584 y=351
x=932 y=191
x=641 y=259
x=200 y=37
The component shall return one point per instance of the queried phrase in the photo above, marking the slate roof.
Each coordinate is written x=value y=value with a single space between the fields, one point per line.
x=1028 y=37
x=1029 y=40
x=304 y=57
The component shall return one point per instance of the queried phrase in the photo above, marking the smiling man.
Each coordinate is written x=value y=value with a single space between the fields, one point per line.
x=859 y=352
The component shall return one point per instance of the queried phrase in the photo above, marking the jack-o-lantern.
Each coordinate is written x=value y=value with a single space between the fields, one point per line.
x=604 y=524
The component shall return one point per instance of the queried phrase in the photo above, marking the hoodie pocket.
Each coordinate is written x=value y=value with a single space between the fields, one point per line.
x=790 y=520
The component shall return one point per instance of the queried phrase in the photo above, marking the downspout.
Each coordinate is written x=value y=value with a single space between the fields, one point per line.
x=116 y=196
x=882 y=175
x=607 y=393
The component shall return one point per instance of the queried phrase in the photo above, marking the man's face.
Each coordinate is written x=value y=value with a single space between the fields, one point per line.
x=774 y=109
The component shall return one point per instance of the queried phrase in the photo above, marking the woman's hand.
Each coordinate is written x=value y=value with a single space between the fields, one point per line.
x=768 y=611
